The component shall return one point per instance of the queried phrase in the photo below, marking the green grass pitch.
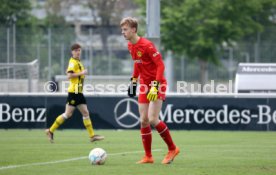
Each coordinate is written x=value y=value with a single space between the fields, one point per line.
x=28 y=152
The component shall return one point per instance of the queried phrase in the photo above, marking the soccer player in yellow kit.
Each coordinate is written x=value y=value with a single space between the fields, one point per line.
x=76 y=73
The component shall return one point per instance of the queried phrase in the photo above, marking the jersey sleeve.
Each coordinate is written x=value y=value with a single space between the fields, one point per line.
x=71 y=67
x=136 y=72
x=157 y=59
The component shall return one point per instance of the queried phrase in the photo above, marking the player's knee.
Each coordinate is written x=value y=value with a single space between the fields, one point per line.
x=68 y=114
x=153 y=121
x=85 y=113
x=144 y=121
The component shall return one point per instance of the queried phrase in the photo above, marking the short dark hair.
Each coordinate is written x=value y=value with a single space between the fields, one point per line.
x=75 y=46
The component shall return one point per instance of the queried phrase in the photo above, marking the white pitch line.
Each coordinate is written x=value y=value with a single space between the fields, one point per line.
x=68 y=160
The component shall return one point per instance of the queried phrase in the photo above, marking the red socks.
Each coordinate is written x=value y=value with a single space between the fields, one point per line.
x=164 y=132
x=147 y=139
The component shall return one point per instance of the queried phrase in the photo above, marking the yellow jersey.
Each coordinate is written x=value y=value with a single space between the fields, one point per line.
x=76 y=83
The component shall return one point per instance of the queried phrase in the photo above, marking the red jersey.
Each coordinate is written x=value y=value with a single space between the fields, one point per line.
x=148 y=63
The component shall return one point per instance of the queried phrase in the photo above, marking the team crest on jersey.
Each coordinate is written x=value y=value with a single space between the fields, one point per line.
x=72 y=102
x=139 y=53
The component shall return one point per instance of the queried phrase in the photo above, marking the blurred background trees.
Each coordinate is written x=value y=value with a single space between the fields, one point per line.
x=217 y=33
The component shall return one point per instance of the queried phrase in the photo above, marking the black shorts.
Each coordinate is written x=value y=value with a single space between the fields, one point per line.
x=75 y=99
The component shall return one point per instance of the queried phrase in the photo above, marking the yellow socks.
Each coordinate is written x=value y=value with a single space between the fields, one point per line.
x=88 y=125
x=59 y=120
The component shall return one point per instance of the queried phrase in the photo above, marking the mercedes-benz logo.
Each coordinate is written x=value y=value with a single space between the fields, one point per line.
x=124 y=113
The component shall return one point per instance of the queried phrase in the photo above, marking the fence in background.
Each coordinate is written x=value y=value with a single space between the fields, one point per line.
x=51 y=47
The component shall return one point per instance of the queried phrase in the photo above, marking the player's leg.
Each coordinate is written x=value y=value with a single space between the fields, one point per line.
x=163 y=130
x=69 y=109
x=88 y=124
x=146 y=133
x=145 y=128
x=160 y=126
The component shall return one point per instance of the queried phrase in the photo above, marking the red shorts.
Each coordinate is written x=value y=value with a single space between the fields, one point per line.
x=144 y=89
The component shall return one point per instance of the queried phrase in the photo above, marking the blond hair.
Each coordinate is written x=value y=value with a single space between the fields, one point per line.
x=130 y=21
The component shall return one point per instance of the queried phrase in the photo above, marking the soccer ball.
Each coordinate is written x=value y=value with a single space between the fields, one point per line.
x=97 y=156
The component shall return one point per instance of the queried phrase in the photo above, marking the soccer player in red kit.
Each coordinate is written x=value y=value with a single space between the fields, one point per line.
x=149 y=67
